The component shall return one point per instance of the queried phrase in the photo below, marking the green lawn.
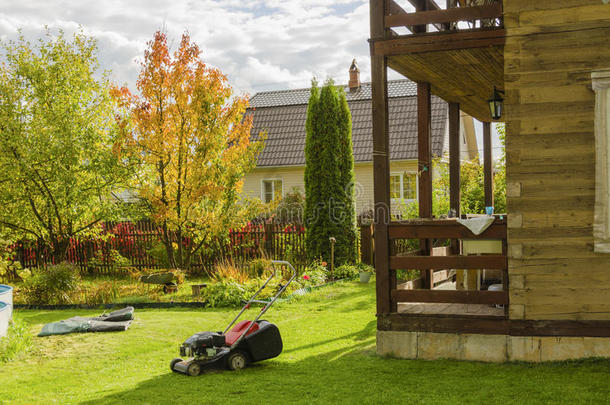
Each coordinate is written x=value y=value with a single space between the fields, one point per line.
x=329 y=357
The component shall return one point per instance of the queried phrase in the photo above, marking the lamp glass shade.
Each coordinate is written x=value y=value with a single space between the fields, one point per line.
x=495 y=105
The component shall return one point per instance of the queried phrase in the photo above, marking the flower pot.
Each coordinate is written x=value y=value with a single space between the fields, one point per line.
x=365 y=276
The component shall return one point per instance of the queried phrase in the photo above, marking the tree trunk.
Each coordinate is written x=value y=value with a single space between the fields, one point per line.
x=59 y=248
x=168 y=247
x=180 y=261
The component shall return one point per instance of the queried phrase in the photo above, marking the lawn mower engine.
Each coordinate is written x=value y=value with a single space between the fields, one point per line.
x=203 y=345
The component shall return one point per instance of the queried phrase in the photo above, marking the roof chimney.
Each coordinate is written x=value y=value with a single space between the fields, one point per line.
x=354 y=76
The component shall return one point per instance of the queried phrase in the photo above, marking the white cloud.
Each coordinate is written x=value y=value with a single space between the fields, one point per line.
x=260 y=45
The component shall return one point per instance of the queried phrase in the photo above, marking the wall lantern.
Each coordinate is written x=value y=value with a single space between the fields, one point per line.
x=495 y=104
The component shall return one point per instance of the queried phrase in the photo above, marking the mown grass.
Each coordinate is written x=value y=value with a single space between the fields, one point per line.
x=329 y=357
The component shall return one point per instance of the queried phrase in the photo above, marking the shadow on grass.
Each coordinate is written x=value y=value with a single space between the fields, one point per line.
x=366 y=333
x=271 y=381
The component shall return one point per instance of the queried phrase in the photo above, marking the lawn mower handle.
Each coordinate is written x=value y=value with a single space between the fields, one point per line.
x=268 y=305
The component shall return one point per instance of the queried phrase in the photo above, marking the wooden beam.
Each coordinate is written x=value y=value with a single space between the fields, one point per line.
x=454 y=157
x=453 y=231
x=444 y=16
x=381 y=162
x=420 y=5
x=424 y=156
x=451 y=296
x=424 y=151
x=395 y=9
x=559 y=328
x=441 y=41
x=424 y=4
x=492 y=325
x=487 y=165
x=448 y=262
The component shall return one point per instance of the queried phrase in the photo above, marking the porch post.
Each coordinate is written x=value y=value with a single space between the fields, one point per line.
x=386 y=280
x=424 y=155
x=487 y=166
x=454 y=165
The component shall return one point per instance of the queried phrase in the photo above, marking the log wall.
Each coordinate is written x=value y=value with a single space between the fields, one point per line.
x=552 y=47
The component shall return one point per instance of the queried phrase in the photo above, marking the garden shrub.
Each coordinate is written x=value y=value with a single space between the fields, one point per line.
x=345 y=271
x=109 y=257
x=365 y=267
x=259 y=268
x=224 y=293
x=18 y=340
x=228 y=292
x=53 y=285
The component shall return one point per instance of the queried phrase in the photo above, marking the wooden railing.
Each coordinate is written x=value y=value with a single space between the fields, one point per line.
x=429 y=14
x=448 y=229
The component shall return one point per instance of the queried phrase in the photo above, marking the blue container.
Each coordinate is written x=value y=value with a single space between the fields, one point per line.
x=6 y=296
x=4 y=317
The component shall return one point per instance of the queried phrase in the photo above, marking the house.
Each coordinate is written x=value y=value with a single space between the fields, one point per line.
x=282 y=114
x=547 y=64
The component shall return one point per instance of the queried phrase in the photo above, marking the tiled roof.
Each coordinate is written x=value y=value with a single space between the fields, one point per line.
x=285 y=124
x=396 y=88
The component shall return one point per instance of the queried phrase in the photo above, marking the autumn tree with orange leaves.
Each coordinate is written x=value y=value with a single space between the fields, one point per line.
x=192 y=141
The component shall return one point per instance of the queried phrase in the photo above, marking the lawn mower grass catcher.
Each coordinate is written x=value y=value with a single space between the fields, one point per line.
x=247 y=342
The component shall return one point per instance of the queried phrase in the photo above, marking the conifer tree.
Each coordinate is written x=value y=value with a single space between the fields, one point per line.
x=329 y=175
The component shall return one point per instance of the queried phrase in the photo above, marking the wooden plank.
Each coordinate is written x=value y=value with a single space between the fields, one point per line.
x=381 y=163
x=491 y=325
x=448 y=262
x=487 y=165
x=451 y=296
x=453 y=231
x=424 y=149
x=424 y=156
x=445 y=16
x=559 y=328
x=440 y=41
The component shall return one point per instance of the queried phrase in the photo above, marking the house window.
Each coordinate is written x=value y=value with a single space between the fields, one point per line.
x=601 y=218
x=272 y=189
x=403 y=186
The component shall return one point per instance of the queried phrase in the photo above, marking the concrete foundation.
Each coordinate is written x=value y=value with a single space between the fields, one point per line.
x=489 y=348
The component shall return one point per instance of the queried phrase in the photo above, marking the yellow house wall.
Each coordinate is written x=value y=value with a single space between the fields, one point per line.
x=551 y=49
x=293 y=177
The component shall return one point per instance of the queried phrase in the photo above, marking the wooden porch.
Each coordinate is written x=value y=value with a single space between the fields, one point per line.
x=456 y=53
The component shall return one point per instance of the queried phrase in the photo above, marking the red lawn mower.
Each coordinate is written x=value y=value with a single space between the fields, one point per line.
x=247 y=342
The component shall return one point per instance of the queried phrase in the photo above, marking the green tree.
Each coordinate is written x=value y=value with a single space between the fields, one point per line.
x=59 y=160
x=329 y=175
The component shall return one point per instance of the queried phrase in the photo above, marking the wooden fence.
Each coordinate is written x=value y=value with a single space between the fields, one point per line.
x=136 y=241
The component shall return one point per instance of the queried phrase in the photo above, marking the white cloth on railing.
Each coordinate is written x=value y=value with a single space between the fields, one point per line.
x=477 y=225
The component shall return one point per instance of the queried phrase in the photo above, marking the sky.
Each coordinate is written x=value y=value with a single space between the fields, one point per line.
x=260 y=44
